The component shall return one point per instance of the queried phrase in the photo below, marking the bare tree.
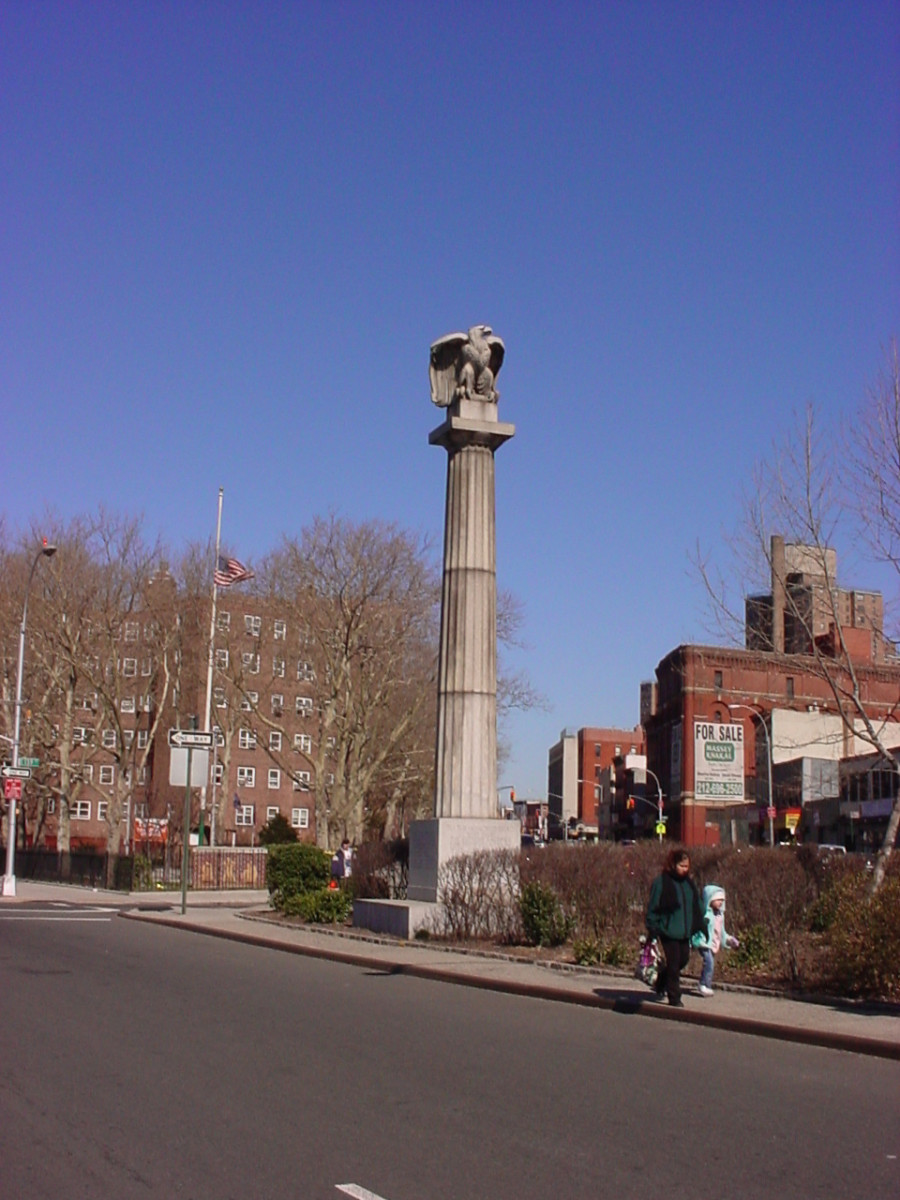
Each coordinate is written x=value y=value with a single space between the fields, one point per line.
x=801 y=493
x=365 y=599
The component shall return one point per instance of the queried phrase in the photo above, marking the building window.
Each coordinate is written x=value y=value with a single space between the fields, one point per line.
x=132 y=631
x=246 y=777
x=329 y=779
x=107 y=775
x=271 y=812
x=274 y=778
x=280 y=631
x=129 y=667
x=717 y=680
x=243 y=814
x=81 y=735
x=80 y=810
x=247 y=739
x=127 y=705
x=252 y=624
x=102 y=810
x=789 y=687
x=303 y=743
x=330 y=742
x=278 y=667
x=223 y=620
x=277 y=704
x=109 y=739
x=221 y=660
x=143 y=738
x=248 y=700
x=305 y=672
x=618 y=751
x=87 y=772
x=142 y=775
x=302 y=781
x=219 y=697
x=218 y=774
x=300 y=818
x=304 y=706
x=146 y=666
x=274 y=739
x=250 y=662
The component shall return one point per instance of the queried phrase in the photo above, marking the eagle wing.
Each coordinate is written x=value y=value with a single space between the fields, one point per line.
x=442 y=367
x=497 y=352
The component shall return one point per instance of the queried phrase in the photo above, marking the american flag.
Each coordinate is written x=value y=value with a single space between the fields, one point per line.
x=230 y=571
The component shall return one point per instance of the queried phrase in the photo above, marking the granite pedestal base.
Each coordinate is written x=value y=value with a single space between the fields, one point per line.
x=433 y=843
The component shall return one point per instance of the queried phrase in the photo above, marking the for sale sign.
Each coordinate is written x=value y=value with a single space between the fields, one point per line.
x=718 y=761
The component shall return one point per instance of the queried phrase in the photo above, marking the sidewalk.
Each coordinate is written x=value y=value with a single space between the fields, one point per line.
x=245 y=916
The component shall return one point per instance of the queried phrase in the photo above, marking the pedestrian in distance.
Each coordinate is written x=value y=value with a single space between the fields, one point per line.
x=713 y=936
x=341 y=863
x=674 y=916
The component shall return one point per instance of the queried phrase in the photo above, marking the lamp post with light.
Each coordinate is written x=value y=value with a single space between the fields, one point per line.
x=762 y=720
x=47 y=550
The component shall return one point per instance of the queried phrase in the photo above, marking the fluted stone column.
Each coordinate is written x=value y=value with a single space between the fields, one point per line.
x=466 y=750
x=466 y=804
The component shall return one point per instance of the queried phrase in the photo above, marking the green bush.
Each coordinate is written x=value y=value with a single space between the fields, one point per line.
x=325 y=906
x=294 y=870
x=277 y=831
x=755 y=949
x=864 y=940
x=544 y=921
x=586 y=951
x=143 y=873
x=618 y=954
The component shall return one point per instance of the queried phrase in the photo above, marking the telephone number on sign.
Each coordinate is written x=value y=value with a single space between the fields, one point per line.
x=720 y=790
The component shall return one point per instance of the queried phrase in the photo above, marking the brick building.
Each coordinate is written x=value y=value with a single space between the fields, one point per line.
x=581 y=779
x=704 y=693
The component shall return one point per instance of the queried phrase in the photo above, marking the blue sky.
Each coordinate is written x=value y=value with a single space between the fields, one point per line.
x=231 y=231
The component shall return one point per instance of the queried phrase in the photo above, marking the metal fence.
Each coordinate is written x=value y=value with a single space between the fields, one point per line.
x=211 y=869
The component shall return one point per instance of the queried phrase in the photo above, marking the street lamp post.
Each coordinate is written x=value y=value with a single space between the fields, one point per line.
x=9 y=879
x=762 y=720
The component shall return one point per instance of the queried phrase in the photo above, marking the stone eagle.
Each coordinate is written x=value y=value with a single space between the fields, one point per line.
x=464 y=366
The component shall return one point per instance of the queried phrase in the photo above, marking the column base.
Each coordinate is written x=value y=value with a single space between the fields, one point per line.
x=433 y=843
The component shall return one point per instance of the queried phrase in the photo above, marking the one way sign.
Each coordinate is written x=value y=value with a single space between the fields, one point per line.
x=190 y=738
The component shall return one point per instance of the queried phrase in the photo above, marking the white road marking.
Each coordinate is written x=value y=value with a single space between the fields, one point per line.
x=359 y=1193
x=51 y=917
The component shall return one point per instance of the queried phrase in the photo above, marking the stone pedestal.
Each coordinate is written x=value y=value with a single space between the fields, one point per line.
x=433 y=843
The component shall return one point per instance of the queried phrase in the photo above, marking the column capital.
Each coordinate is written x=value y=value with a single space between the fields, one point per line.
x=458 y=432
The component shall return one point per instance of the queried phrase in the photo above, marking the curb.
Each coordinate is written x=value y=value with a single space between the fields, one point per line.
x=851 y=1043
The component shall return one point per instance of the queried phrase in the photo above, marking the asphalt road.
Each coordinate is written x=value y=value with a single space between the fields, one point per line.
x=139 y=1061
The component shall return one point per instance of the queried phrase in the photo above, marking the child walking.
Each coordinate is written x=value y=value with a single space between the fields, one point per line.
x=713 y=935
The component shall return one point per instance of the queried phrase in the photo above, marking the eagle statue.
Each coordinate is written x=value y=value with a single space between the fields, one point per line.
x=464 y=366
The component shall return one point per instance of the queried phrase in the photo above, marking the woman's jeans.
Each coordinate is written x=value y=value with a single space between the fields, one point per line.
x=708 y=967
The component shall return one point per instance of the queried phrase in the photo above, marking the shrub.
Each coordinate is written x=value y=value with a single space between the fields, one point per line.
x=381 y=870
x=277 y=831
x=755 y=949
x=617 y=953
x=544 y=921
x=295 y=869
x=325 y=906
x=586 y=951
x=864 y=939
x=479 y=894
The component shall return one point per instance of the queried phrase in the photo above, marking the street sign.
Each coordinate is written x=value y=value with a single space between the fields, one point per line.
x=17 y=772
x=661 y=828
x=184 y=738
x=29 y=762
x=12 y=789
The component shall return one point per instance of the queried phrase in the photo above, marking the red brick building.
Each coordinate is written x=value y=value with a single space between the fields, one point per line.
x=581 y=778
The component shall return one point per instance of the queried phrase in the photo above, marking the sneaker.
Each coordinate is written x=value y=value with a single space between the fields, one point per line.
x=703 y=990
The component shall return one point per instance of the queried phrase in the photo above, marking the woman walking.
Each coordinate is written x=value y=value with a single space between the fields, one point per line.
x=674 y=915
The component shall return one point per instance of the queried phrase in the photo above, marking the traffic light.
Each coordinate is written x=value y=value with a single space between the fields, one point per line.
x=512 y=795
x=629 y=803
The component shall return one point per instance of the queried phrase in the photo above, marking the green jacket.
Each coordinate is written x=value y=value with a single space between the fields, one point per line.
x=675 y=910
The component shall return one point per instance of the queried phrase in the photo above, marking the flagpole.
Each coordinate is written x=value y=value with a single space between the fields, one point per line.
x=210 y=660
